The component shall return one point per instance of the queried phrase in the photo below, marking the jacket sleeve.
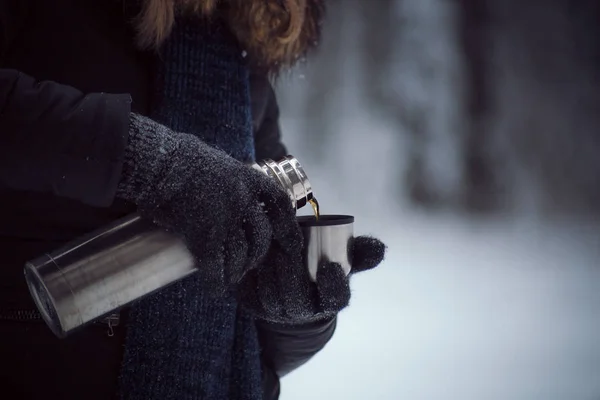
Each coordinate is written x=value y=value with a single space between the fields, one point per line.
x=287 y=347
x=265 y=119
x=54 y=138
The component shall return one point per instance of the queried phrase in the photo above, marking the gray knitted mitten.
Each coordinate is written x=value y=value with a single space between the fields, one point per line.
x=227 y=213
x=282 y=292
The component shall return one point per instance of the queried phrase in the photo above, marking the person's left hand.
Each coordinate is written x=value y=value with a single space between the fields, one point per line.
x=281 y=290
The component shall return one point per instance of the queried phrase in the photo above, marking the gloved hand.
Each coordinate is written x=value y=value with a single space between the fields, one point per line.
x=281 y=291
x=226 y=212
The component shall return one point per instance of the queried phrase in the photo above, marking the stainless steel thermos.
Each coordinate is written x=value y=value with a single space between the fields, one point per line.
x=125 y=261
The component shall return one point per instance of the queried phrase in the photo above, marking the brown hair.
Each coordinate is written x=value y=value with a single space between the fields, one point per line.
x=275 y=33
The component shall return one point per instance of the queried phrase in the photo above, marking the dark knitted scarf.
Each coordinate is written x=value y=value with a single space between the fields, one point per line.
x=181 y=344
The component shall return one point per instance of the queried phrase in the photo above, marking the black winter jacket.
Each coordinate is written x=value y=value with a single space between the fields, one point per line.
x=65 y=68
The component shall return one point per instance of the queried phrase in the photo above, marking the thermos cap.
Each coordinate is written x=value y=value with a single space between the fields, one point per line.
x=290 y=174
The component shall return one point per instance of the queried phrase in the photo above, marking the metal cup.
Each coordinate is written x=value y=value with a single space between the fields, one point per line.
x=327 y=240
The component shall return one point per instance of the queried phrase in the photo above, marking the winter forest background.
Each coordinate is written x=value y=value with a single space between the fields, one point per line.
x=465 y=134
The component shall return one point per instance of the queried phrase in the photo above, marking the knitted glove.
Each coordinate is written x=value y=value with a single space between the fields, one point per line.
x=281 y=290
x=226 y=212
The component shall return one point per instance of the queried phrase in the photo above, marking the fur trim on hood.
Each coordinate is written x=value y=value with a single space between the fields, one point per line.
x=274 y=33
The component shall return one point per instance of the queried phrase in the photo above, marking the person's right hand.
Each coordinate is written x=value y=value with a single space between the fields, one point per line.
x=226 y=212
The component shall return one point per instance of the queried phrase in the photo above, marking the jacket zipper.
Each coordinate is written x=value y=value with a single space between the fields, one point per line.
x=111 y=320
x=20 y=315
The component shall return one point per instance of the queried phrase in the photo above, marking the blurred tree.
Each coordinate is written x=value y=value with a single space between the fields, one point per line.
x=546 y=89
x=481 y=190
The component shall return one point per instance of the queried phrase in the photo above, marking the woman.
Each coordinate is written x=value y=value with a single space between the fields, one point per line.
x=112 y=106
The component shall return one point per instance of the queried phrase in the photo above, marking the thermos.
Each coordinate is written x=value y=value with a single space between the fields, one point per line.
x=125 y=261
